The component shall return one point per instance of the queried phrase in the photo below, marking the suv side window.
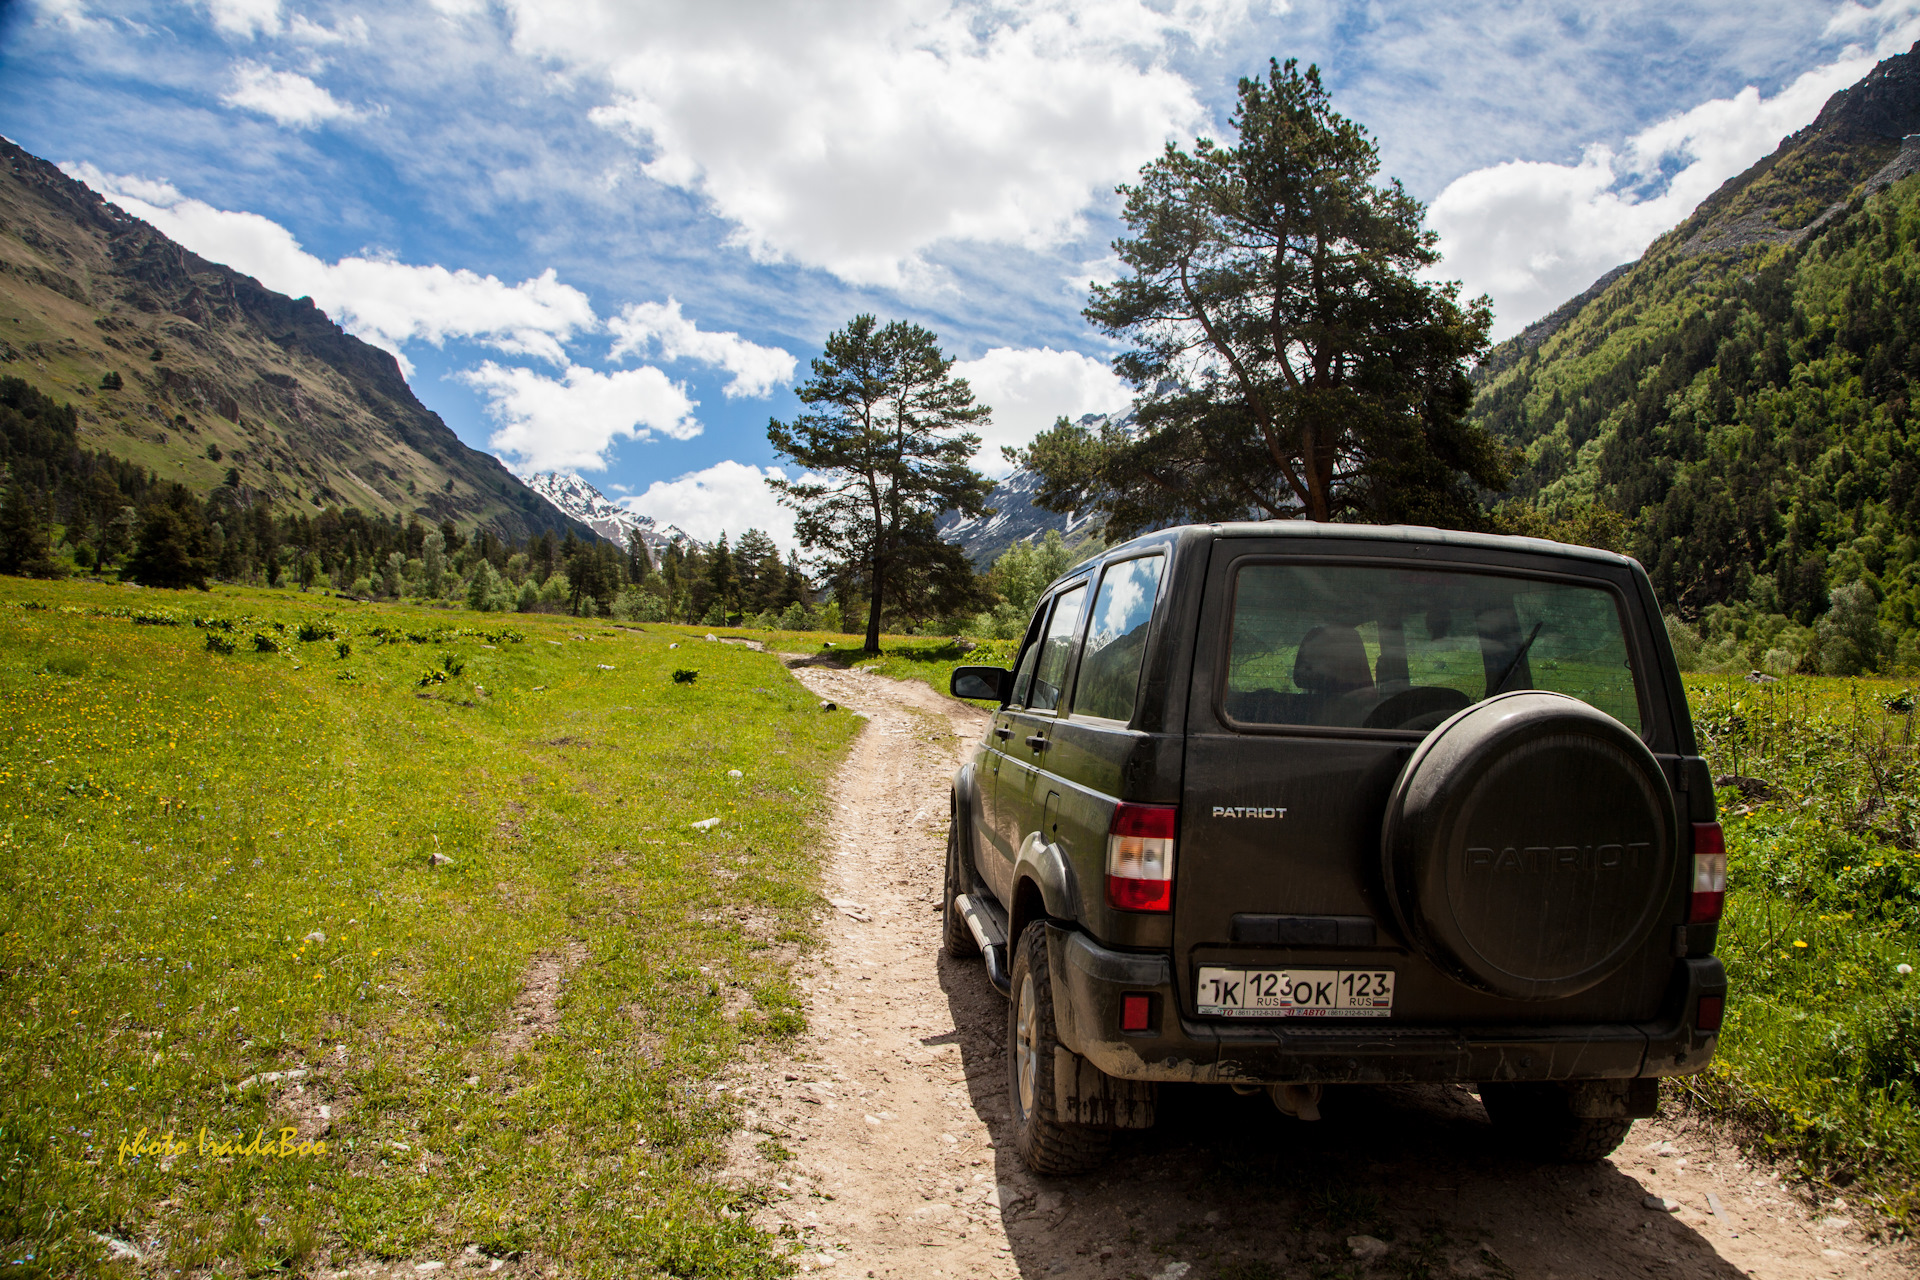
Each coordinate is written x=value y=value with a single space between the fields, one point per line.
x=1054 y=650
x=1117 y=639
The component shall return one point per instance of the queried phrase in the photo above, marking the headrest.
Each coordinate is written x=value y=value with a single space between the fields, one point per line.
x=1332 y=659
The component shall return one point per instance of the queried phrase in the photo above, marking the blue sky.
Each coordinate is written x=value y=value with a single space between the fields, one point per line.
x=607 y=237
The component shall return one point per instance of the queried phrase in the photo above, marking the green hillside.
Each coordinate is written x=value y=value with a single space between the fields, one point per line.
x=192 y=370
x=1739 y=399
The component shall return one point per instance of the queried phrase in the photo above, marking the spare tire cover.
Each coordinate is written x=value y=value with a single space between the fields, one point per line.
x=1530 y=845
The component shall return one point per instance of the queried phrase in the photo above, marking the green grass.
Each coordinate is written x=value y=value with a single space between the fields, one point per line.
x=1822 y=1040
x=929 y=659
x=179 y=826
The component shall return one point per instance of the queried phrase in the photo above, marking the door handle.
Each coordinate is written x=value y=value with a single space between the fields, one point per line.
x=1001 y=732
x=1037 y=742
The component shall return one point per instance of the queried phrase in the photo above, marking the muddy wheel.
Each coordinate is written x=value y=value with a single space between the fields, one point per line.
x=954 y=933
x=1538 y=1119
x=1046 y=1144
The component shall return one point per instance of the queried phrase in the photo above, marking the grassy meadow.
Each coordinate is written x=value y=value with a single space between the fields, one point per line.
x=1818 y=1057
x=216 y=866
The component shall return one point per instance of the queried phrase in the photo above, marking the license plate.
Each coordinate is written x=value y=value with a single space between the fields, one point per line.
x=1295 y=993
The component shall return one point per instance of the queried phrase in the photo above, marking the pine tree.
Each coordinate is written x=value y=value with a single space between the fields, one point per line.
x=1288 y=358
x=24 y=549
x=172 y=544
x=887 y=430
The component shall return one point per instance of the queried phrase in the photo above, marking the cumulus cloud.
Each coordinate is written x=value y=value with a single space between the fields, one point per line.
x=856 y=136
x=246 y=18
x=1534 y=234
x=285 y=97
x=380 y=300
x=756 y=370
x=727 y=497
x=1029 y=387
x=568 y=423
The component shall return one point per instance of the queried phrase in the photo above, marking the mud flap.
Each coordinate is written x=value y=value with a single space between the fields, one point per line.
x=1084 y=1094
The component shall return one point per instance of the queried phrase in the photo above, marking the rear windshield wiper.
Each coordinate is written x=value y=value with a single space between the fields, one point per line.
x=1514 y=666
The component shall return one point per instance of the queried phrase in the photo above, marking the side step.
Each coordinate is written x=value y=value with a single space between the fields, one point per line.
x=989 y=926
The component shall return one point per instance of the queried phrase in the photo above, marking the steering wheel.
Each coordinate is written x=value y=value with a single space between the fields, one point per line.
x=1420 y=708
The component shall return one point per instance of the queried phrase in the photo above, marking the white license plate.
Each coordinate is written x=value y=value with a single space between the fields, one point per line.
x=1295 y=993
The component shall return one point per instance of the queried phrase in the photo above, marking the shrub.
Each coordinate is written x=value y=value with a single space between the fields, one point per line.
x=343 y=649
x=220 y=644
x=684 y=675
x=264 y=643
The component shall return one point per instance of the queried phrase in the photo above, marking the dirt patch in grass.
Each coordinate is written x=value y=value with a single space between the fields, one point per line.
x=536 y=1010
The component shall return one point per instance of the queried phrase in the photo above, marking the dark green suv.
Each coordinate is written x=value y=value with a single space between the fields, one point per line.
x=1282 y=805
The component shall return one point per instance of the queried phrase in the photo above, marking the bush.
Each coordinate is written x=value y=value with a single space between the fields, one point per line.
x=217 y=643
x=635 y=605
x=1849 y=640
x=796 y=617
x=529 y=599
x=264 y=643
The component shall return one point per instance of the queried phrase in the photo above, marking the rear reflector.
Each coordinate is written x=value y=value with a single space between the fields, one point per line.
x=1712 y=1010
x=1140 y=857
x=1133 y=1013
x=1709 y=896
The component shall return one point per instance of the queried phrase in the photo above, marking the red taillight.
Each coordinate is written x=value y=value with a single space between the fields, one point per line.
x=1712 y=1010
x=1133 y=1012
x=1140 y=857
x=1709 y=897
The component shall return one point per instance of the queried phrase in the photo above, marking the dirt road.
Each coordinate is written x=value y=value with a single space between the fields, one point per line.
x=893 y=1107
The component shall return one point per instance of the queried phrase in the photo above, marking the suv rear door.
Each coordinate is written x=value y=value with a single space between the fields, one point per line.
x=1315 y=676
x=1020 y=792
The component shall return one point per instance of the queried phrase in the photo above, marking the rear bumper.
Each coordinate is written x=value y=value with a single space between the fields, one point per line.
x=1089 y=981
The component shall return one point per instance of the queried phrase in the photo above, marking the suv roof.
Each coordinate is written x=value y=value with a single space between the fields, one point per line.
x=1312 y=530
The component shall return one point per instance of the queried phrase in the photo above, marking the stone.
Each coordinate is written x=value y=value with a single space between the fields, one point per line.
x=1366 y=1248
x=706 y=824
x=315 y=936
x=1661 y=1203
x=735 y=773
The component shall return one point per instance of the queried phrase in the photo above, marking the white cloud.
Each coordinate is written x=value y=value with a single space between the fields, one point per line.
x=756 y=370
x=246 y=17
x=377 y=299
x=568 y=424
x=729 y=497
x=285 y=97
x=71 y=14
x=1534 y=234
x=352 y=31
x=856 y=136
x=1029 y=387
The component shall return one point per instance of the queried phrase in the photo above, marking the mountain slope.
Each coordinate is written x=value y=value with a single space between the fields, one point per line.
x=1015 y=518
x=575 y=498
x=213 y=363
x=1741 y=393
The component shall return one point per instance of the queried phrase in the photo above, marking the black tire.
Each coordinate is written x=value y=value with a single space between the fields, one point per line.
x=1047 y=1145
x=955 y=936
x=1538 y=1119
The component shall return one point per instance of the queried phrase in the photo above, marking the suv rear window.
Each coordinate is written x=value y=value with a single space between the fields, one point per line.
x=1370 y=647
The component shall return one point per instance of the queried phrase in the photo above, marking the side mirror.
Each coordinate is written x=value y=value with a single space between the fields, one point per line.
x=985 y=684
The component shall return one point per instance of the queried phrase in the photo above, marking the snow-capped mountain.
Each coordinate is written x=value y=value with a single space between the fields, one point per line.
x=590 y=507
x=1015 y=519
